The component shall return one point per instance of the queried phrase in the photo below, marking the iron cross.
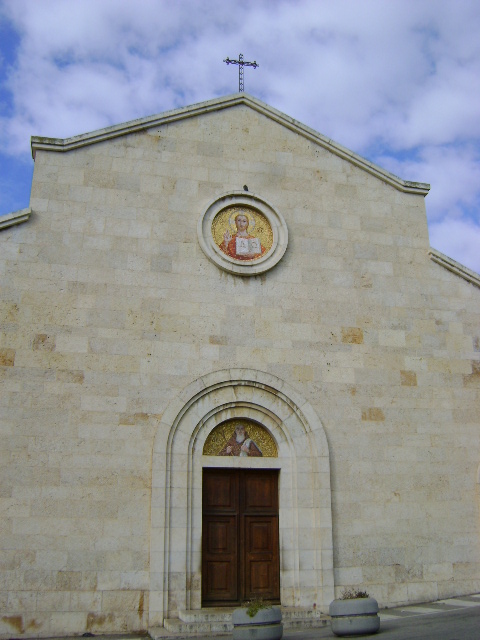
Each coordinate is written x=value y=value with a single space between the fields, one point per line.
x=241 y=63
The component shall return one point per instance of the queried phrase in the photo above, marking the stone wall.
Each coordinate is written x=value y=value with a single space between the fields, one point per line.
x=109 y=309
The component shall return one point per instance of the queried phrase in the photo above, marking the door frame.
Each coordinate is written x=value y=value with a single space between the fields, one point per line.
x=305 y=519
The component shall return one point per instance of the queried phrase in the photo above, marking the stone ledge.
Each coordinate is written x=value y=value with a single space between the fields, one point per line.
x=17 y=217
x=455 y=267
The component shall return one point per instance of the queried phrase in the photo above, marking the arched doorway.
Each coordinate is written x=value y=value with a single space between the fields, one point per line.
x=302 y=465
x=240 y=518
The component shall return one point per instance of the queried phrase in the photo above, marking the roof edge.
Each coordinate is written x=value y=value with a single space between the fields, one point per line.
x=17 y=217
x=455 y=267
x=132 y=126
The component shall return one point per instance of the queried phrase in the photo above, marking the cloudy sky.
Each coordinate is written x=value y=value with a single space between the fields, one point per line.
x=396 y=81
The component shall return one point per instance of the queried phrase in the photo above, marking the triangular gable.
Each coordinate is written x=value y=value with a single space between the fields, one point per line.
x=225 y=102
x=67 y=144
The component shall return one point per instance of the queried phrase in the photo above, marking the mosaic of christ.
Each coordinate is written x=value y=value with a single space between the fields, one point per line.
x=242 y=233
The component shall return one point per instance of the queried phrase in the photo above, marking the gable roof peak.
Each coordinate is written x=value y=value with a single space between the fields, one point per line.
x=217 y=104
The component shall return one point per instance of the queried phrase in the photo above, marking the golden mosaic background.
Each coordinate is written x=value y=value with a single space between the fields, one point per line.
x=262 y=229
x=222 y=434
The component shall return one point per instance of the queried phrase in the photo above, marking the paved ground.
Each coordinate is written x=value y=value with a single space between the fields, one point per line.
x=456 y=625
x=452 y=619
x=433 y=607
x=435 y=620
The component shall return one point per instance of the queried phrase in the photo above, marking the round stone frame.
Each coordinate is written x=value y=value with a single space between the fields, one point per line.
x=240 y=267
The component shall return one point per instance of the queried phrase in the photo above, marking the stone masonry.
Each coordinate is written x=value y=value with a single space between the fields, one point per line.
x=112 y=318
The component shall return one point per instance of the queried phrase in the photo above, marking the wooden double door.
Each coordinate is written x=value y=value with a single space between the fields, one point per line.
x=240 y=552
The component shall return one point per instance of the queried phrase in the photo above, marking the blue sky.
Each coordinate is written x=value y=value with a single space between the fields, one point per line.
x=396 y=81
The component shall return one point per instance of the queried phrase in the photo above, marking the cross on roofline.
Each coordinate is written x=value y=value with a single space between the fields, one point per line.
x=241 y=63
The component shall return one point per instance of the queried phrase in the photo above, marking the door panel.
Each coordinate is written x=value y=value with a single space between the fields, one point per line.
x=240 y=556
x=261 y=557
x=221 y=580
x=220 y=558
x=220 y=491
x=220 y=537
x=261 y=492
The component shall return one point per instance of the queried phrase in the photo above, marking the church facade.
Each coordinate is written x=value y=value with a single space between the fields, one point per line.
x=232 y=366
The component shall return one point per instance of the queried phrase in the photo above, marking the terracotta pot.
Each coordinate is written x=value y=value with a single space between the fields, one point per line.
x=266 y=624
x=355 y=617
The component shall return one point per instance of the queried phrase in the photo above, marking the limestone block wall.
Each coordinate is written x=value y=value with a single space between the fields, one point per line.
x=417 y=456
x=109 y=309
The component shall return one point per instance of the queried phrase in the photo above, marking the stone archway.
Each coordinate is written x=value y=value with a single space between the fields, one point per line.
x=305 y=523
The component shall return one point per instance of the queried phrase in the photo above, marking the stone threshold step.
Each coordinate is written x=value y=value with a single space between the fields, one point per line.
x=217 y=614
x=224 y=614
x=178 y=626
x=161 y=633
x=217 y=621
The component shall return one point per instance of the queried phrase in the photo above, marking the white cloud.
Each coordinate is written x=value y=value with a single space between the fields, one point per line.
x=453 y=173
x=360 y=71
x=457 y=238
x=453 y=204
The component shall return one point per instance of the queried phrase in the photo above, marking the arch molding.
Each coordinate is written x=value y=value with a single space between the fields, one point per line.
x=305 y=521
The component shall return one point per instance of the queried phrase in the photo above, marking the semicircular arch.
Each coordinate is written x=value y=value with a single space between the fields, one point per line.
x=304 y=489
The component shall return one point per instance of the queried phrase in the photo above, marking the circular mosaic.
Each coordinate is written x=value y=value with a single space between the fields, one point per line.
x=242 y=234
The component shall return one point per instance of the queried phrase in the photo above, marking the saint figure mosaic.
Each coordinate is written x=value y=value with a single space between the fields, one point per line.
x=242 y=233
x=241 y=438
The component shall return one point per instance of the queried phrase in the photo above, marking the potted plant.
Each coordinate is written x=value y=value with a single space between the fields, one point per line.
x=355 y=613
x=257 y=619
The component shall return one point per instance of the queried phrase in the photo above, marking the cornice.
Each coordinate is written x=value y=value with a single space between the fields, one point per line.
x=17 y=217
x=217 y=104
x=455 y=267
